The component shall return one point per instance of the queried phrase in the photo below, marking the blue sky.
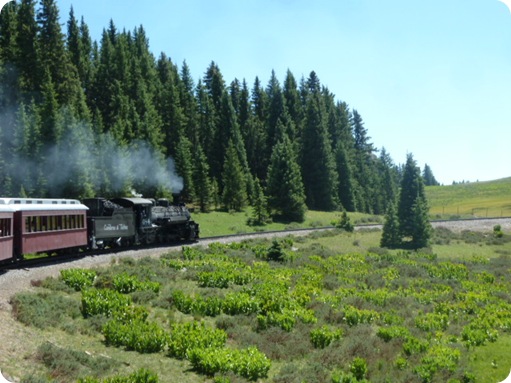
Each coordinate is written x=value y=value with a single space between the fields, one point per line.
x=428 y=77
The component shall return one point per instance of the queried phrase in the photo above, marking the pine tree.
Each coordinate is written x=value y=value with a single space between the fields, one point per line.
x=293 y=104
x=257 y=133
x=234 y=195
x=54 y=56
x=189 y=104
x=260 y=214
x=365 y=172
x=421 y=232
x=28 y=62
x=346 y=188
x=388 y=179
x=318 y=165
x=391 y=237
x=286 y=197
x=429 y=178
x=51 y=122
x=9 y=91
x=74 y=179
x=184 y=167
x=202 y=183
x=276 y=111
x=412 y=207
x=79 y=46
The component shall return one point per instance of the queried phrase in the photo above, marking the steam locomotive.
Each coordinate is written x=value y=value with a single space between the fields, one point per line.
x=30 y=226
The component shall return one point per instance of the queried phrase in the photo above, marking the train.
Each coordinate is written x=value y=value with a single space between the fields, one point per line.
x=42 y=225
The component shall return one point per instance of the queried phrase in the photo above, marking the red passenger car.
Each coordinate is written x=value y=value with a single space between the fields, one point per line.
x=6 y=232
x=47 y=225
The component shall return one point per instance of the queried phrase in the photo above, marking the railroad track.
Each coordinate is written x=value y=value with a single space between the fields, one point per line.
x=51 y=260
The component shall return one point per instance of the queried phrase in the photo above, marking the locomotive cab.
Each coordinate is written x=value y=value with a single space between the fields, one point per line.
x=142 y=209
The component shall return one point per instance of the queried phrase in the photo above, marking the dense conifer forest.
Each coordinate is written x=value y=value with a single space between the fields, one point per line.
x=81 y=118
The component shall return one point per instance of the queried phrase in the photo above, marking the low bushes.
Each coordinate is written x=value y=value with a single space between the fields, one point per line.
x=249 y=363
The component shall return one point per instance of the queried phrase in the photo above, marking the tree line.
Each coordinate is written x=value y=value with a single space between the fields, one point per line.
x=80 y=118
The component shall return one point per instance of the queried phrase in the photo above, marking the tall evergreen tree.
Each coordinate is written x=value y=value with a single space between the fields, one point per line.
x=391 y=237
x=206 y=120
x=346 y=190
x=293 y=103
x=286 y=196
x=276 y=111
x=168 y=104
x=260 y=214
x=257 y=134
x=318 y=165
x=51 y=122
x=388 y=180
x=189 y=104
x=28 y=62
x=79 y=46
x=412 y=207
x=429 y=178
x=184 y=167
x=234 y=195
x=422 y=229
x=53 y=53
x=202 y=183
x=9 y=52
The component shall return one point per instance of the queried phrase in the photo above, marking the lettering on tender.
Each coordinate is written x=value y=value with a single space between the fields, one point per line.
x=118 y=227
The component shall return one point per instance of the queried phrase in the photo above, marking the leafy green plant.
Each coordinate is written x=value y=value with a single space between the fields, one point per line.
x=323 y=336
x=140 y=376
x=358 y=368
x=140 y=336
x=392 y=332
x=78 y=279
x=126 y=284
x=249 y=363
x=185 y=337
x=354 y=316
x=103 y=301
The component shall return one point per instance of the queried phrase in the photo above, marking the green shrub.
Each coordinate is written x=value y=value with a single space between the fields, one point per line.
x=240 y=303
x=414 y=345
x=393 y=332
x=140 y=376
x=344 y=223
x=68 y=364
x=432 y=321
x=358 y=368
x=497 y=231
x=43 y=310
x=276 y=252
x=285 y=320
x=354 y=316
x=126 y=284
x=78 y=279
x=103 y=301
x=323 y=336
x=249 y=363
x=138 y=335
x=182 y=302
x=185 y=337
x=218 y=279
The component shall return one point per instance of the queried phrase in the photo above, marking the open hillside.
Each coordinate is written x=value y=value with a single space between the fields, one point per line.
x=330 y=307
x=478 y=199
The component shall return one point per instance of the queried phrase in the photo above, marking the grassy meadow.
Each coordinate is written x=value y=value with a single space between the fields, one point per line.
x=330 y=307
x=218 y=223
x=469 y=200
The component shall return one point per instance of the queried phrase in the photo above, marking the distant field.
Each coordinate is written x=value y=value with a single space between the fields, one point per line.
x=222 y=223
x=477 y=199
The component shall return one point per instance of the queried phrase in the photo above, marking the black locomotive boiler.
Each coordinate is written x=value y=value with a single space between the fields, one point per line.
x=131 y=221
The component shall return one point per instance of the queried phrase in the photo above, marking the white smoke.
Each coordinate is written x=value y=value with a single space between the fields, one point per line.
x=106 y=165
